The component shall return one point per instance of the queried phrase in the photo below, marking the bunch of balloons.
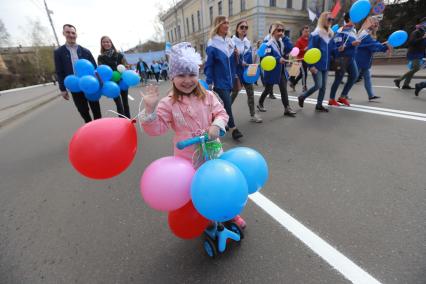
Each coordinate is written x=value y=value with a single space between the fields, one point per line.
x=100 y=81
x=217 y=191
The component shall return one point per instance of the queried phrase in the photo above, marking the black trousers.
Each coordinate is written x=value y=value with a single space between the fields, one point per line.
x=283 y=90
x=83 y=104
x=122 y=103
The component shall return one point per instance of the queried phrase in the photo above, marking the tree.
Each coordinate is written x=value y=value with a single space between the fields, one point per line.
x=4 y=35
x=158 y=35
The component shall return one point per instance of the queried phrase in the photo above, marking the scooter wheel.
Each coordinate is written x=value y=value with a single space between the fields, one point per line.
x=236 y=229
x=210 y=248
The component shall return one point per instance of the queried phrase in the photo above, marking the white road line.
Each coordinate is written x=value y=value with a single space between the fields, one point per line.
x=336 y=259
x=387 y=87
x=24 y=88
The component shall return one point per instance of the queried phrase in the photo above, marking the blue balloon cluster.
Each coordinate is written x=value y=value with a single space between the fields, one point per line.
x=95 y=83
x=398 y=38
x=359 y=10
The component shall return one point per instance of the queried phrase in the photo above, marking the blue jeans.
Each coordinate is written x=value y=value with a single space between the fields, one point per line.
x=320 y=79
x=367 y=81
x=352 y=77
x=225 y=95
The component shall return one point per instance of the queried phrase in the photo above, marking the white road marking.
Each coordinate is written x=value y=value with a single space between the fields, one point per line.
x=24 y=88
x=336 y=259
x=387 y=87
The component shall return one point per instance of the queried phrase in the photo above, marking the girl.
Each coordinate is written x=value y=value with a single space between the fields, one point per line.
x=302 y=44
x=188 y=109
x=364 y=55
x=245 y=57
x=109 y=56
x=278 y=48
x=220 y=67
x=320 y=38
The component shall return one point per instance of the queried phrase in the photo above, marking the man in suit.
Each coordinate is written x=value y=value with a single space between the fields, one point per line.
x=65 y=57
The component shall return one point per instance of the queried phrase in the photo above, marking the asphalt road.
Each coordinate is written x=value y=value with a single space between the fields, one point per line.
x=355 y=178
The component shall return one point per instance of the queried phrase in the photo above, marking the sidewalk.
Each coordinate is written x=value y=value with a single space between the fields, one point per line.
x=394 y=71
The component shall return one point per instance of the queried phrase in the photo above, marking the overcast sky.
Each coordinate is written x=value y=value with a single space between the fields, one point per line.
x=126 y=21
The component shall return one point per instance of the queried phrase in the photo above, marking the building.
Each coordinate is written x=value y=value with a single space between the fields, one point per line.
x=191 y=20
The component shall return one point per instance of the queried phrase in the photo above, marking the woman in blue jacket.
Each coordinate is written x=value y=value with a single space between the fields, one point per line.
x=321 y=38
x=278 y=47
x=364 y=56
x=220 y=67
x=243 y=45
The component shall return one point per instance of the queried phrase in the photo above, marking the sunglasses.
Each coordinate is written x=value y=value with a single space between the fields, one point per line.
x=244 y=27
x=279 y=30
x=330 y=20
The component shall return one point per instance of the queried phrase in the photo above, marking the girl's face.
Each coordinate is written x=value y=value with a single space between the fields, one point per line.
x=242 y=29
x=224 y=28
x=305 y=32
x=330 y=21
x=279 y=32
x=106 y=43
x=186 y=83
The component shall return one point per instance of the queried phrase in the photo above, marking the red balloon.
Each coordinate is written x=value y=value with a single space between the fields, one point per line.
x=103 y=148
x=186 y=222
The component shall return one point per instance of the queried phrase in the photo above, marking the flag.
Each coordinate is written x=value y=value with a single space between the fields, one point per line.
x=336 y=9
x=312 y=15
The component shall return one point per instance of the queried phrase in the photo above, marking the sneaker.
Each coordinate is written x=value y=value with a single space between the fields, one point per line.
x=271 y=96
x=332 y=102
x=261 y=108
x=396 y=81
x=407 y=87
x=301 y=100
x=256 y=118
x=417 y=90
x=289 y=112
x=236 y=134
x=321 y=109
x=373 y=98
x=344 y=101
x=240 y=222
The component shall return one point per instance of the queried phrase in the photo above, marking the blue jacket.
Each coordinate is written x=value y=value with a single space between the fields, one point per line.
x=220 y=64
x=245 y=55
x=364 y=55
x=273 y=77
x=63 y=65
x=345 y=35
x=318 y=39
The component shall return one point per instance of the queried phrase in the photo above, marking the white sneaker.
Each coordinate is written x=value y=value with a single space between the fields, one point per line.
x=256 y=118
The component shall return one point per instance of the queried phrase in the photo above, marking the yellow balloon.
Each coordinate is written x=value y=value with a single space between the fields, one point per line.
x=268 y=63
x=312 y=56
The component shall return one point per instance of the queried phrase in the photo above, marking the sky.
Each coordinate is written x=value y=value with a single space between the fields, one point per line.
x=126 y=22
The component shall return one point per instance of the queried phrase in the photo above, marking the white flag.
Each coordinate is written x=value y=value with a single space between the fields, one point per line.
x=312 y=15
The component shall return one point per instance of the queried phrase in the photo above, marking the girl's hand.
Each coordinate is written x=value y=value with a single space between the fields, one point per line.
x=356 y=43
x=150 y=98
x=341 y=48
x=282 y=60
x=213 y=132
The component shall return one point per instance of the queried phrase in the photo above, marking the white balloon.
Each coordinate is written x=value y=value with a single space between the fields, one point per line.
x=121 y=68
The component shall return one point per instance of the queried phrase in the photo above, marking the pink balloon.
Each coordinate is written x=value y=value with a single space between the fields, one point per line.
x=295 y=51
x=166 y=183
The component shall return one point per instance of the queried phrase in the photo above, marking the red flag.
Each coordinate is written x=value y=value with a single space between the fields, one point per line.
x=336 y=9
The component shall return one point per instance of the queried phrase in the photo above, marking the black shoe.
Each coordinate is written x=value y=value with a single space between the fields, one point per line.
x=396 y=81
x=236 y=134
x=321 y=109
x=272 y=97
x=227 y=128
x=342 y=83
x=373 y=98
x=358 y=80
x=301 y=100
x=407 y=87
x=261 y=108
x=417 y=89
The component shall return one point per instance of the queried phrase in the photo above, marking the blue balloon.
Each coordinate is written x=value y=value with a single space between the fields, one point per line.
x=84 y=67
x=105 y=72
x=203 y=83
x=335 y=28
x=251 y=163
x=123 y=86
x=131 y=78
x=251 y=79
x=93 y=97
x=71 y=82
x=398 y=38
x=111 y=90
x=168 y=45
x=359 y=10
x=262 y=50
x=89 y=84
x=219 y=190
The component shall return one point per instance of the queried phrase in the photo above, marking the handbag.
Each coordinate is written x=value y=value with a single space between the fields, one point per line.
x=295 y=69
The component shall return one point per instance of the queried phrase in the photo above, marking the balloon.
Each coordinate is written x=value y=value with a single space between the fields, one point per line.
x=123 y=86
x=71 y=82
x=168 y=46
x=398 y=38
x=268 y=63
x=111 y=90
x=83 y=67
x=262 y=50
x=130 y=77
x=165 y=184
x=219 y=190
x=93 y=97
x=105 y=72
x=359 y=10
x=251 y=79
x=121 y=68
x=335 y=28
x=251 y=163
x=203 y=83
x=312 y=56
x=187 y=223
x=295 y=51
x=89 y=84
x=103 y=148
x=116 y=76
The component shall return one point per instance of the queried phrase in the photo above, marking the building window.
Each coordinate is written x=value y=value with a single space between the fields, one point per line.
x=289 y=4
x=243 y=5
x=178 y=31
x=202 y=50
x=199 y=20
x=193 y=23
x=211 y=15
x=231 y=7
x=187 y=26
x=175 y=34
x=168 y=36
x=304 y=4
x=219 y=8
x=273 y=3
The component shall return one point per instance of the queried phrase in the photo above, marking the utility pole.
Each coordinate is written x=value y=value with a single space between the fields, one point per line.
x=51 y=22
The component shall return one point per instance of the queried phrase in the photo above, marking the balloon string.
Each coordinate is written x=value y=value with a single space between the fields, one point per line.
x=119 y=114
